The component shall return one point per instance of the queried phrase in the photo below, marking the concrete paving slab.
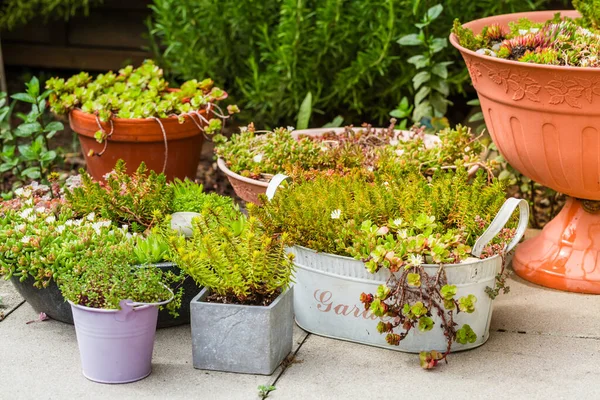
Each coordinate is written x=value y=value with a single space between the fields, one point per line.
x=534 y=309
x=41 y=360
x=509 y=366
x=10 y=299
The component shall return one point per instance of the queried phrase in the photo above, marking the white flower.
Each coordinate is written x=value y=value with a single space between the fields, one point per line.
x=336 y=214
x=26 y=213
x=257 y=158
x=402 y=234
x=91 y=216
x=25 y=239
x=40 y=210
x=19 y=192
x=31 y=218
x=77 y=222
x=20 y=227
x=534 y=30
x=394 y=142
x=290 y=128
x=398 y=221
x=29 y=201
x=243 y=129
x=50 y=219
x=399 y=152
x=99 y=225
x=69 y=222
x=523 y=31
x=60 y=228
x=125 y=227
x=415 y=259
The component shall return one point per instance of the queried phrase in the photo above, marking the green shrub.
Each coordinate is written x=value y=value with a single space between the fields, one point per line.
x=18 y=12
x=345 y=53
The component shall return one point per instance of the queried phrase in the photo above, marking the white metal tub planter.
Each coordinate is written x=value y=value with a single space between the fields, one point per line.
x=420 y=308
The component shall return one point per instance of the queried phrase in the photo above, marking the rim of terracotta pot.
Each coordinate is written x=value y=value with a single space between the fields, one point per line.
x=86 y=125
x=223 y=167
x=222 y=164
x=541 y=16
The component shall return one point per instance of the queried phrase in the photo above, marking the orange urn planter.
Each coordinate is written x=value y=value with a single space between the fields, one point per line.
x=545 y=120
x=141 y=140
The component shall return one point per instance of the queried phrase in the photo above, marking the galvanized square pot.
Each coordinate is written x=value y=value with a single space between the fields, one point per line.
x=237 y=338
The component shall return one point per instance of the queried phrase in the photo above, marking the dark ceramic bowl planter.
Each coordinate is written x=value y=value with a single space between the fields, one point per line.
x=241 y=338
x=50 y=300
x=141 y=140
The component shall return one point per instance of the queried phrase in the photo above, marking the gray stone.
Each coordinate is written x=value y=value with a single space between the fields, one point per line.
x=182 y=222
x=236 y=338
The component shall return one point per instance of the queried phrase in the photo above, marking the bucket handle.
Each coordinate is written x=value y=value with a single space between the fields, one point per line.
x=274 y=185
x=135 y=304
x=500 y=221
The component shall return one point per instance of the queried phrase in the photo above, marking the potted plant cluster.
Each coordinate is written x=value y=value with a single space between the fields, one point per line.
x=115 y=310
x=250 y=159
x=133 y=115
x=46 y=232
x=243 y=318
x=401 y=247
x=537 y=78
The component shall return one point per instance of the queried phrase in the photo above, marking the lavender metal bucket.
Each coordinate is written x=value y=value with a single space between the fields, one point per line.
x=116 y=345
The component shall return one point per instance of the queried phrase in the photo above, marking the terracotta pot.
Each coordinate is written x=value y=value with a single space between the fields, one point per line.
x=137 y=140
x=545 y=121
x=249 y=189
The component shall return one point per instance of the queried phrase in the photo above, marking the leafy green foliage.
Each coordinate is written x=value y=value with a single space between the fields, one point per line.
x=103 y=279
x=135 y=93
x=25 y=151
x=264 y=390
x=430 y=81
x=235 y=258
x=272 y=53
x=590 y=13
x=140 y=200
x=16 y=12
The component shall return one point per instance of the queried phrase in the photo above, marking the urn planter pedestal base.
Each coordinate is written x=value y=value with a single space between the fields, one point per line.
x=239 y=338
x=566 y=256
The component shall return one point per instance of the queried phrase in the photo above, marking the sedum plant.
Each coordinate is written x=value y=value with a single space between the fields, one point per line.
x=259 y=156
x=104 y=278
x=235 y=258
x=559 y=41
x=140 y=200
x=326 y=213
x=41 y=237
x=136 y=93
